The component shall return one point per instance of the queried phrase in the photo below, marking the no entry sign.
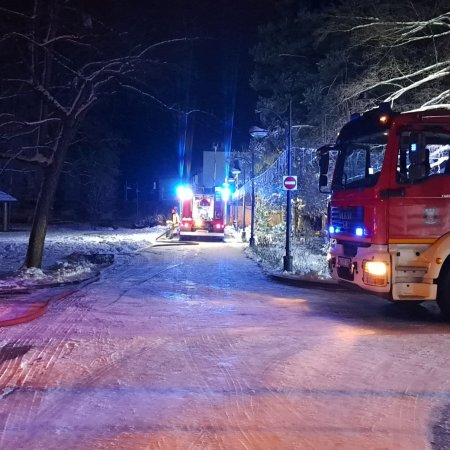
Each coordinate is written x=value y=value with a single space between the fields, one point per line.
x=290 y=183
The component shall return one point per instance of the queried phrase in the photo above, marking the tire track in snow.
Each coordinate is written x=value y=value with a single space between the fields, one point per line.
x=201 y=351
x=29 y=371
x=106 y=363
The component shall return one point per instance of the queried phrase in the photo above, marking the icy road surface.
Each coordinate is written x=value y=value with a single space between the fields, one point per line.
x=192 y=347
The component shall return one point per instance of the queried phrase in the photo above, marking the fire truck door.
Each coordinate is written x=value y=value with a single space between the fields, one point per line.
x=419 y=202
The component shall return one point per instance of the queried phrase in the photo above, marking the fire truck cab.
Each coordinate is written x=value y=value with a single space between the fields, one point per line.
x=202 y=213
x=389 y=207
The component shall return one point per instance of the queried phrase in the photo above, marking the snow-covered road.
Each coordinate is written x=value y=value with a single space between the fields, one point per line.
x=187 y=347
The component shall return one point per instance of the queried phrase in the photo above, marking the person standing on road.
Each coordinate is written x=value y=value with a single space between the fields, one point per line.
x=173 y=223
x=175 y=217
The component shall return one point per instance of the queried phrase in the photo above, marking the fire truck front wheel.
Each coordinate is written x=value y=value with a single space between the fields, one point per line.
x=443 y=291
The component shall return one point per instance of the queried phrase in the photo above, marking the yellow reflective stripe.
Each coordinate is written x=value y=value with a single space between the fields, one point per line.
x=412 y=241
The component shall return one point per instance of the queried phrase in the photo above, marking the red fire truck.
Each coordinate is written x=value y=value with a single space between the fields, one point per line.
x=389 y=208
x=202 y=213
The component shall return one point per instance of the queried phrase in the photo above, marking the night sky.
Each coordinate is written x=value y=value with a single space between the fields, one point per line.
x=214 y=77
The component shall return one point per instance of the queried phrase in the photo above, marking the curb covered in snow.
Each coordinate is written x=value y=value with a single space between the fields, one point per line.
x=306 y=282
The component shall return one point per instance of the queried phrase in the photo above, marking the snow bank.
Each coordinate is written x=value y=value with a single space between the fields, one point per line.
x=71 y=253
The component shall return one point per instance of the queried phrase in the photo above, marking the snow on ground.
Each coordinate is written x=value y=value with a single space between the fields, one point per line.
x=76 y=252
x=71 y=252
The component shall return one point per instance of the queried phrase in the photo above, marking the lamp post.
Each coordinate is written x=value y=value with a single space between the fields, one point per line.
x=259 y=133
x=244 y=233
x=229 y=214
x=236 y=170
x=252 y=214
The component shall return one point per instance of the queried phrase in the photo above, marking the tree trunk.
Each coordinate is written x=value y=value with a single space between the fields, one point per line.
x=46 y=197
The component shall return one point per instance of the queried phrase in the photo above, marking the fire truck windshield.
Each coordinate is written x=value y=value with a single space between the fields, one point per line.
x=359 y=161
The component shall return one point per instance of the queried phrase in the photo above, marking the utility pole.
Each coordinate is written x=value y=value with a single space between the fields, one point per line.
x=252 y=222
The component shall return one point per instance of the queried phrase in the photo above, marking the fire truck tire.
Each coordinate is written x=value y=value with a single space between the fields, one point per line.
x=443 y=292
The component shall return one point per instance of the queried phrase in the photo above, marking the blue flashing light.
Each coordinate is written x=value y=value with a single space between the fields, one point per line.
x=413 y=147
x=337 y=230
x=226 y=192
x=184 y=192
x=359 y=231
x=331 y=229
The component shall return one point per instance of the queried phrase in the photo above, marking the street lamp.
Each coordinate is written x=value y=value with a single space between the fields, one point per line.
x=257 y=133
x=229 y=181
x=236 y=170
x=260 y=133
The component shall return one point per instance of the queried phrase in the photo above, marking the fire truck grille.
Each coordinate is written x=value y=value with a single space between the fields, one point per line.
x=346 y=220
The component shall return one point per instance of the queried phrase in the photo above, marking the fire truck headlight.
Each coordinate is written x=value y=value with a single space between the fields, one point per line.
x=375 y=268
x=218 y=226
x=198 y=222
x=375 y=273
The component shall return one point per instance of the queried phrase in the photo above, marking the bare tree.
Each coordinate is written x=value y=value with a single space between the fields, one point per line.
x=57 y=63
x=404 y=47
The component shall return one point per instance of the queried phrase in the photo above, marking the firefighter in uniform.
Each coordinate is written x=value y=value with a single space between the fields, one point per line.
x=173 y=224
x=175 y=217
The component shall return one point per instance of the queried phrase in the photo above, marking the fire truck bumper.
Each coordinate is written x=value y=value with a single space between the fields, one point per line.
x=201 y=233
x=369 y=268
x=376 y=269
x=414 y=291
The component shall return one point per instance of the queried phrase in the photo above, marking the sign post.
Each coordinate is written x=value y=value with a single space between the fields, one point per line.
x=290 y=183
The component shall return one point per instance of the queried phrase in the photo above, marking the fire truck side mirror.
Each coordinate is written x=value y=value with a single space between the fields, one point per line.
x=323 y=182
x=324 y=163
x=323 y=154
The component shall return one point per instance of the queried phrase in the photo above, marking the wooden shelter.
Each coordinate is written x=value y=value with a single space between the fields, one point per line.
x=5 y=201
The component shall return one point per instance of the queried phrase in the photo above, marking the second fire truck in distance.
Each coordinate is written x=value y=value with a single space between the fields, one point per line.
x=202 y=213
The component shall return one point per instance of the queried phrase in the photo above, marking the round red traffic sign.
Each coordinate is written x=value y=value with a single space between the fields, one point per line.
x=290 y=182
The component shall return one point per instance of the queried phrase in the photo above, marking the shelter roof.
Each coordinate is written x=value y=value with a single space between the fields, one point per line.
x=4 y=197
